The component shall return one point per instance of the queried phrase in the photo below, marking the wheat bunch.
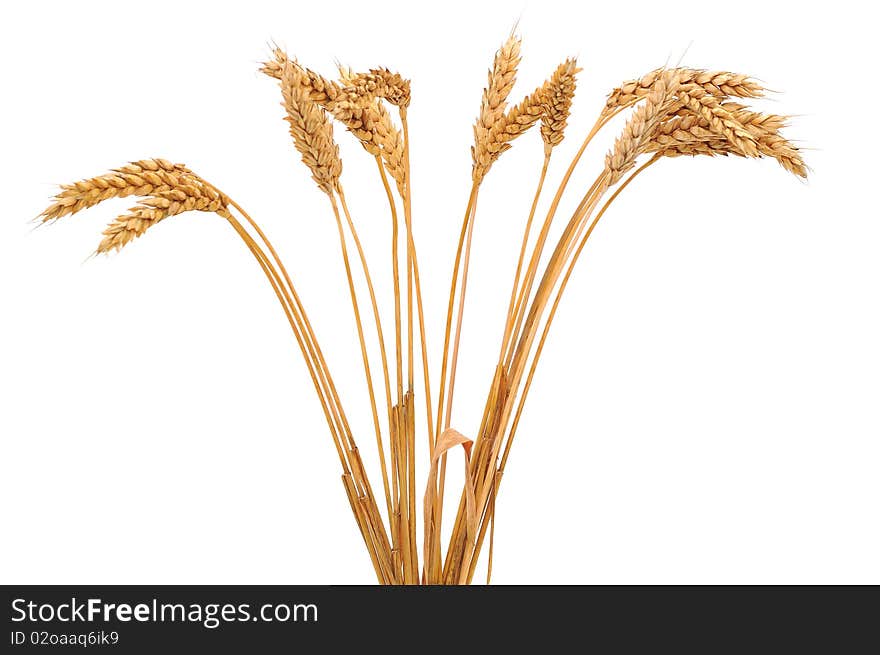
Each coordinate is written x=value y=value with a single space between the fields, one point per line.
x=674 y=112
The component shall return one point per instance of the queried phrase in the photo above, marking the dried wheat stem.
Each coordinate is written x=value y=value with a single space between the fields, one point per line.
x=359 y=324
x=538 y=249
x=415 y=277
x=381 y=339
x=363 y=505
x=287 y=305
x=410 y=291
x=539 y=348
x=314 y=349
x=374 y=531
x=450 y=568
x=508 y=324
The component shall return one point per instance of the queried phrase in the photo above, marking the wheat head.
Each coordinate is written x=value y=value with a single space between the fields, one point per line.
x=502 y=77
x=311 y=130
x=687 y=128
x=556 y=102
x=138 y=178
x=717 y=83
x=166 y=190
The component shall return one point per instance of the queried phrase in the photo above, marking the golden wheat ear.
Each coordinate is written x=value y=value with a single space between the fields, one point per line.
x=165 y=190
x=691 y=134
x=704 y=121
x=487 y=129
x=550 y=103
x=311 y=130
x=556 y=102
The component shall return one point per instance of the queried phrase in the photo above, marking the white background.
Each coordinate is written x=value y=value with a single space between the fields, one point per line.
x=706 y=410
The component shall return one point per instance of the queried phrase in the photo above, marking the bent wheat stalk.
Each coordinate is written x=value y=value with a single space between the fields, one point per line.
x=674 y=112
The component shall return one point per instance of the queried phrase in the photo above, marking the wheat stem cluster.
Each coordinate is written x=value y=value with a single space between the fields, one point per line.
x=672 y=112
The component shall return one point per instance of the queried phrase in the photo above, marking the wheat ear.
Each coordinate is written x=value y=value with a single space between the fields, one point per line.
x=139 y=178
x=717 y=83
x=311 y=130
x=556 y=102
x=166 y=190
